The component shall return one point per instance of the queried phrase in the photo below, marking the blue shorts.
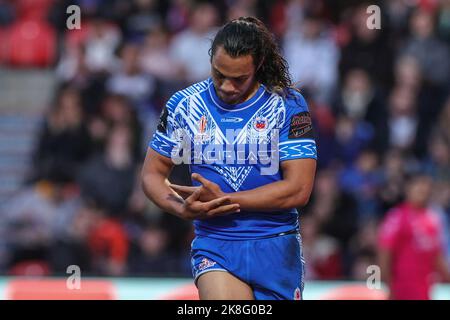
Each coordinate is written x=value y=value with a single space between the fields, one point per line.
x=273 y=267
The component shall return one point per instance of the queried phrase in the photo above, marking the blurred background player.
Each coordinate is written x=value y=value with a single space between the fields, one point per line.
x=411 y=244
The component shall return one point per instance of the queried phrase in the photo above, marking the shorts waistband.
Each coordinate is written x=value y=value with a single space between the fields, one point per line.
x=282 y=234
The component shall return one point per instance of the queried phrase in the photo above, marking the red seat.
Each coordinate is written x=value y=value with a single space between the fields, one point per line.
x=30 y=268
x=2 y=45
x=33 y=9
x=30 y=43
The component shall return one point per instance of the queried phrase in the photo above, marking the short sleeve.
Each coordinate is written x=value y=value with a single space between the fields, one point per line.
x=166 y=137
x=297 y=140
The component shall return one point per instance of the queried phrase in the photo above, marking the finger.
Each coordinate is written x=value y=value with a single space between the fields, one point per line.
x=216 y=203
x=201 y=179
x=184 y=189
x=223 y=210
x=184 y=194
x=194 y=196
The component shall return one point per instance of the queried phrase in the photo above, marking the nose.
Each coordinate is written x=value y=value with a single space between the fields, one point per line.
x=227 y=87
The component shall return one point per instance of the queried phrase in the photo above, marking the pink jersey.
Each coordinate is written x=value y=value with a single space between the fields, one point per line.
x=414 y=238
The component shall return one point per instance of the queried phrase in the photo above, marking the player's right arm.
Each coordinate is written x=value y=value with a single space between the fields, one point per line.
x=442 y=266
x=155 y=185
x=157 y=167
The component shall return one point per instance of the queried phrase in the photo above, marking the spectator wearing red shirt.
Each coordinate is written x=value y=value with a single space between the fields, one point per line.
x=108 y=243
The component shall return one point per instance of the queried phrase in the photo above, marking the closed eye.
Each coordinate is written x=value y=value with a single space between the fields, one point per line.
x=240 y=79
x=236 y=79
x=219 y=75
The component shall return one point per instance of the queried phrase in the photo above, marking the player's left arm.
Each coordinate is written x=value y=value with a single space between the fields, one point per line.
x=292 y=191
x=297 y=158
x=441 y=264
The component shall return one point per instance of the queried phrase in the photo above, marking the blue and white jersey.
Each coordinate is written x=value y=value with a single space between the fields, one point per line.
x=239 y=147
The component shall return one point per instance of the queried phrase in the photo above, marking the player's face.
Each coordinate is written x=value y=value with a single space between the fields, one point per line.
x=234 y=78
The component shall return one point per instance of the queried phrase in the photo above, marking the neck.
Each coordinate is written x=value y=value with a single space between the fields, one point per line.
x=251 y=92
x=416 y=205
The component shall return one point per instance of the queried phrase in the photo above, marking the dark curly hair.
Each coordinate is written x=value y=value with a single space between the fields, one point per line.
x=248 y=35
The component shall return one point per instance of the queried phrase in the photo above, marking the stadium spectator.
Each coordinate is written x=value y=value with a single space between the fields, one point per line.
x=143 y=16
x=31 y=220
x=70 y=246
x=155 y=58
x=109 y=177
x=108 y=244
x=7 y=12
x=116 y=110
x=403 y=119
x=393 y=171
x=362 y=180
x=129 y=80
x=190 y=47
x=359 y=99
x=322 y=253
x=102 y=39
x=64 y=142
x=352 y=136
x=335 y=212
x=429 y=50
x=313 y=57
x=443 y=128
x=368 y=49
x=151 y=252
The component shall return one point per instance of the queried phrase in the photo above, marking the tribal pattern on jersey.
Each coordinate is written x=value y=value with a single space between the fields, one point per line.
x=240 y=147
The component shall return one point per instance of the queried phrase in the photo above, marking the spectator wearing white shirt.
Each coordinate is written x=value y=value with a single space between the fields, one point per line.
x=190 y=47
x=313 y=58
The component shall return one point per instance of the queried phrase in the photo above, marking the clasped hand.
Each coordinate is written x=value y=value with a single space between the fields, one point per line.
x=204 y=201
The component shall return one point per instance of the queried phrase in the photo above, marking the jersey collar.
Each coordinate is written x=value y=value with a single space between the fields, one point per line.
x=235 y=107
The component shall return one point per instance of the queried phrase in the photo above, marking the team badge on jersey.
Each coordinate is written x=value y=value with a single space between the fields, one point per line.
x=162 y=124
x=206 y=263
x=301 y=126
x=202 y=125
x=201 y=135
x=260 y=124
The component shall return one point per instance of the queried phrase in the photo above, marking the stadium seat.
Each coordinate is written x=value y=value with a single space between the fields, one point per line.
x=56 y=289
x=30 y=43
x=33 y=9
x=2 y=45
x=30 y=268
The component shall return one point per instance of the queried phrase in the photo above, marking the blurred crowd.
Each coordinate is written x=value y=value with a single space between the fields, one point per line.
x=379 y=99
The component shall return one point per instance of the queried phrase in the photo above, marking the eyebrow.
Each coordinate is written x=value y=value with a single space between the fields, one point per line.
x=239 y=77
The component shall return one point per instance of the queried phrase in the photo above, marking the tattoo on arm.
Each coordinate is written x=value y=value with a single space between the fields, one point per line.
x=172 y=197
